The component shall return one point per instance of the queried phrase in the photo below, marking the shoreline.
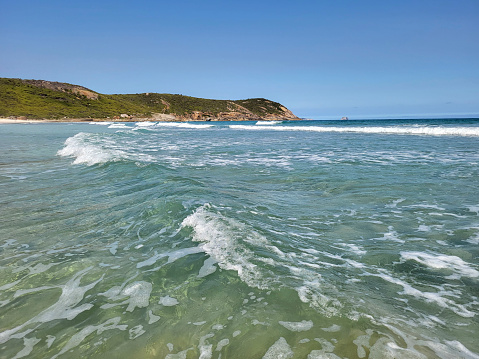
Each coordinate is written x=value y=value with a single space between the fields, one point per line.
x=12 y=121
x=72 y=120
x=90 y=120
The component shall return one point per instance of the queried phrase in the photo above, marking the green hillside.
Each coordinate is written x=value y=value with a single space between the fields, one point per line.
x=37 y=99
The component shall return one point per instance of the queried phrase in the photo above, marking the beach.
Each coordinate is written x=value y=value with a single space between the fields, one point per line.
x=11 y=121
x=304 y=239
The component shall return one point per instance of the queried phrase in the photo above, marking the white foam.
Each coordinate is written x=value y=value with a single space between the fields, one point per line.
x=119 y=125
x=50 y=339
x=206 y=349
x=172 y=256
x=442 y=261
x=279 y=350
x=302 y=326
x=395 y=203
x=222 y=238
x=136 y=331
x=21 y=292
x=183 y=125
x=320 y=354
x=428 y=206
x=180 y=355
x=207 y=268
x=9 y=285
x=429 y=297
x=145 y=124
x=221 y=344
x=153 y=318
x=257 y=322
x=85 y=152
x=474 y=209
x=102 y=123
x=113 y=247
x=8 y=243
x=28 y=343
x=333 y=328
x=313 y=291
x=423 y=228
x=386 y=348
x=392 y=235
x=396 y=130
x=267 y=123
x=168 y=301
x=139 y=293
x=458 y=347
x=362 y=341
x=77 y=338
x=473 y=239
x=326 y=345
x=356 y=249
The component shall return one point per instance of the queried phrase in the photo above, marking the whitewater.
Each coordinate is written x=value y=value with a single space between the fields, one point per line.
x=301 y=239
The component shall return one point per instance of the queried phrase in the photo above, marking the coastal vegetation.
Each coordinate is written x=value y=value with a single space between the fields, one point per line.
x=38 y=99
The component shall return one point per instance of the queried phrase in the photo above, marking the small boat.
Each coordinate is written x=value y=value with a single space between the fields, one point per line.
x=344 y=118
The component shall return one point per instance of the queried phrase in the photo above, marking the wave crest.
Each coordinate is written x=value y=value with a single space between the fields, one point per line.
x=86 y=151
x=397 y=130
x=228 y=242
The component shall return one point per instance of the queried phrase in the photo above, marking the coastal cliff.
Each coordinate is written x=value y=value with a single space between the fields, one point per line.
x=39 y=99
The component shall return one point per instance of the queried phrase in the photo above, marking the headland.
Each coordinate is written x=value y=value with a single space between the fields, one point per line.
x=40 y=100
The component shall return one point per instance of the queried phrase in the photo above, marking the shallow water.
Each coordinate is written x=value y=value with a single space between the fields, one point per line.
x=236 y=240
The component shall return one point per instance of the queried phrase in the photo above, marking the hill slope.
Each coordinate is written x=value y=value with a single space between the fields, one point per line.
x=38 y=99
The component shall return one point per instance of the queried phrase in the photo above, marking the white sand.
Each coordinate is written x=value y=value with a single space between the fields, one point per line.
x=9 y=120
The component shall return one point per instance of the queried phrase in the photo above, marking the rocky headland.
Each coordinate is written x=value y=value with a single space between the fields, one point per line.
x=57 y=101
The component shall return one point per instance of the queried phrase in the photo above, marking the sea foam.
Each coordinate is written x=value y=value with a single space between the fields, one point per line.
x=398 y=130
x=224 y=240
x=267 y=123
x=85 y=151
x=459 y=267
x=183 y=125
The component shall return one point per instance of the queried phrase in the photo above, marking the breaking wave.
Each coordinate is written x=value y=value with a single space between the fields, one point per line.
x=182 y=125
x=91 y=149
x=86 y=151
x=399 y=130
x=229 y=242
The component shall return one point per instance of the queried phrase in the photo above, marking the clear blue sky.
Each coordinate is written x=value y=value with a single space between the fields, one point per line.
x=319 y=58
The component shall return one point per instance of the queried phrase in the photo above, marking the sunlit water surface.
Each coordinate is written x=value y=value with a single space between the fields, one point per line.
x=240 y=240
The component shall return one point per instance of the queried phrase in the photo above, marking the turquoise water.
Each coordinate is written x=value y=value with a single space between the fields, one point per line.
x=310 y=239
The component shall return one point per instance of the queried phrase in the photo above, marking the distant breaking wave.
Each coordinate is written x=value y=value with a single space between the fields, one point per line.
x=182 y=125
x=266 y=123
x=420 y=130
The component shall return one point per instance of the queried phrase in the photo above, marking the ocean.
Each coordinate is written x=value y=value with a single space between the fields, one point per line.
x=308 y=239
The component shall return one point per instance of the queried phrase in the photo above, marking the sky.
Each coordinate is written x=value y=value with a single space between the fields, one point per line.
x=321 y=59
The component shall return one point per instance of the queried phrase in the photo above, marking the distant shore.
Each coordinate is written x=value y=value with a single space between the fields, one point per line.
x=9 y=120
x=68 y=120
x=83 y=120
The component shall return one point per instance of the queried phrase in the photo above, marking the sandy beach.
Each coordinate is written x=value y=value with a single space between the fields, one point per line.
x=10 y=120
